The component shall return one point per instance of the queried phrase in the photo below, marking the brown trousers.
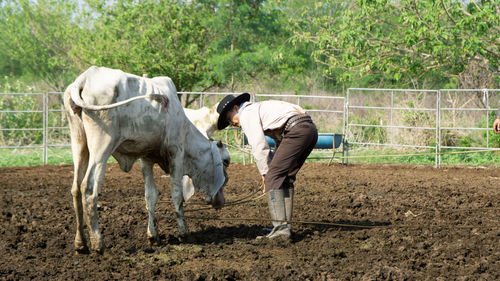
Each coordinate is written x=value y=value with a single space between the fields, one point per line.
x=290 y=155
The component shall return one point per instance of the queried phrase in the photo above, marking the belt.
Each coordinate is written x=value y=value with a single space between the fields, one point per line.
x=294 y=120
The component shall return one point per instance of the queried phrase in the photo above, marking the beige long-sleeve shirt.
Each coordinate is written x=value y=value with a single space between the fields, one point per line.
x=258 y=119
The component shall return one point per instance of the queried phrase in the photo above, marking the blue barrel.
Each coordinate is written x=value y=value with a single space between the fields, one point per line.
x=325 y=141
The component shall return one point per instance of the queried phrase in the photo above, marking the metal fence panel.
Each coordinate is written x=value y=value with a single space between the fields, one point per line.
x=464 y=110
x=419 y=118
x=50 y=122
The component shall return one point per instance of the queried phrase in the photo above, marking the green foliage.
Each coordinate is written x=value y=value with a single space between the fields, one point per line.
x=10 y=85
x=235 y=43
x=37 y=37
x=167 y=40
x=401 y=42
x=199 y=44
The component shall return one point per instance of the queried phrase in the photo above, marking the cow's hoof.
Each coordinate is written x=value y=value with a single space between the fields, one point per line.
x=82 y=250
x=153 y=241
x=81 y=247
x=98 y=246
x=99 y=250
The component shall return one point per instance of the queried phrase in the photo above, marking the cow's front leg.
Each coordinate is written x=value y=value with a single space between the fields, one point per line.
x=178 y=199
x=151 y=195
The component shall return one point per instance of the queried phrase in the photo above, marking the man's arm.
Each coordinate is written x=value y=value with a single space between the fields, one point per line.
x=250 y=123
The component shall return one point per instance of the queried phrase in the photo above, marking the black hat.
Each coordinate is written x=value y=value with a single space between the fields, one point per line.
x=227 y=104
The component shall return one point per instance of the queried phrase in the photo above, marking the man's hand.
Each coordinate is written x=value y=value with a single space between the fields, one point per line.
x=496 y=125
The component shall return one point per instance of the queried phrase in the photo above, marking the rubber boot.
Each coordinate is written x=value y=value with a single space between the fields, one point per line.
x=288 y=195
x=277 y=210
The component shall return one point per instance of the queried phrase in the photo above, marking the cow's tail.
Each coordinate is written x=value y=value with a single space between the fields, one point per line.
x=163 y=100
x=75 y=96
x=79 y=102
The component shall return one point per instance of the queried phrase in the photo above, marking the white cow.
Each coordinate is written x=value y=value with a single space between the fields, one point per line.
x=104 y=121
x=204 y=119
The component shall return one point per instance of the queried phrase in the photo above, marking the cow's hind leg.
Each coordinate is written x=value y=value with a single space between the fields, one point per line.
x=80 y=159
x=151 y=195
x=100 y=148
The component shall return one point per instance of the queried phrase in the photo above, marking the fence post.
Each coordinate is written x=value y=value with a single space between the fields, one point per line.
x=437 y=159
x=392 y=107
x=343 y=118
x=346 y=118
x=487 y=96
x=45 y=117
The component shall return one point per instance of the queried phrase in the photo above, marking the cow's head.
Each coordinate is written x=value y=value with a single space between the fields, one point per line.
x=222 y=160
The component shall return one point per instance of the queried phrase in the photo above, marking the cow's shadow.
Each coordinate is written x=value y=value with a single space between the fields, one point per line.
x=230 y=234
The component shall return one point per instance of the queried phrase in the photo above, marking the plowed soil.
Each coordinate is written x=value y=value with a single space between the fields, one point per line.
x=356 y=222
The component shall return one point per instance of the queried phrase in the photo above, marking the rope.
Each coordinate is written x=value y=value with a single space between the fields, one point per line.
x=238 y=148
x=243 y=200
x=421 y=212
x=293 y=221
x=327 y=223
x=226 y=204
x=234 y=203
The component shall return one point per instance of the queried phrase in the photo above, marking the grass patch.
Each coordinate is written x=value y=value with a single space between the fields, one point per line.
x=22 y=157
x=387 y=156
x=62 y=155
x=34 y=156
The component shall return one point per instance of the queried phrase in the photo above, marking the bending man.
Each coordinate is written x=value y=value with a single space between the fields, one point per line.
x=295 y=135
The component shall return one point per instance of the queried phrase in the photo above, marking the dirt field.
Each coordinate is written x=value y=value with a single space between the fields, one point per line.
x=420 y=223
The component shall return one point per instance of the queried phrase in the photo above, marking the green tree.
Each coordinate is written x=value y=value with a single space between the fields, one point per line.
x=162 y=37
x=36 y=37
x=250 y=42
x=200 y=44
x=403 y=41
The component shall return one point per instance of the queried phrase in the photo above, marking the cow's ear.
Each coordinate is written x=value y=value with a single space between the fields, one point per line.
x=219 y=144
